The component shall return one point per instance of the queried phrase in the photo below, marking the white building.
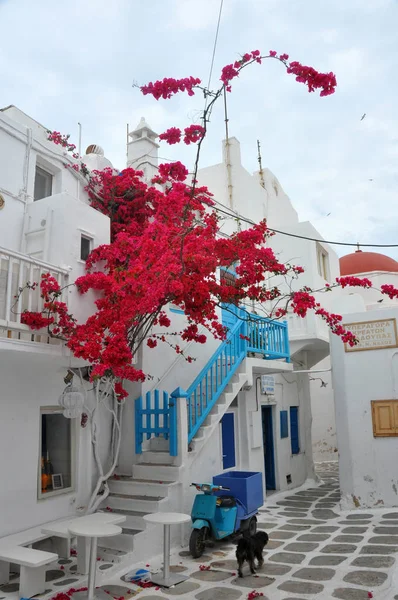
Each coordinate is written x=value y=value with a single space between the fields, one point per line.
x=365 y=382
x=47 y=224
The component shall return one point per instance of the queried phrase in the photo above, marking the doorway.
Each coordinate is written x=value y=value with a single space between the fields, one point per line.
x=228 y=440
x=269 y=452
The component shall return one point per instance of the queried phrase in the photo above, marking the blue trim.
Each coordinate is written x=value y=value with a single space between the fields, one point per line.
x=213 y=379
x=294 y=430
x=284 y=424
x=228 y=440
x=266 y=337
x=177 y=311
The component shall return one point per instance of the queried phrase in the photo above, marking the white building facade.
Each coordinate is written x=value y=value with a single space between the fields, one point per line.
x=47 y=225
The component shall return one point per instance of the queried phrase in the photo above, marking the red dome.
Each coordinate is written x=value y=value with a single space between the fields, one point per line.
x=366 y=262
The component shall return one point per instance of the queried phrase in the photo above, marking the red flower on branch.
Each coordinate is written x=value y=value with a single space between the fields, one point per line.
x=169 y=86
x=171 y=136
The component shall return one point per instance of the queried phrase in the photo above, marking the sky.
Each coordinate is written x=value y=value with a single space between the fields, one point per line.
x=76 y=61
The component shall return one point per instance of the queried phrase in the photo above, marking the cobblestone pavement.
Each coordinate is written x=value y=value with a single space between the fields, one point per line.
x=315 y=552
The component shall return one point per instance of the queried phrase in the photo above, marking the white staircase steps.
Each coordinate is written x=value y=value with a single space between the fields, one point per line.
x=154 y=486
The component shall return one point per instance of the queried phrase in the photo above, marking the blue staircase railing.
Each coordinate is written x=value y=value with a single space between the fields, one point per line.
x=253 y=335
x=214 y=377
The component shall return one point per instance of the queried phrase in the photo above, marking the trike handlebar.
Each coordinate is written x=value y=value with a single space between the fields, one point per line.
x=208 y=487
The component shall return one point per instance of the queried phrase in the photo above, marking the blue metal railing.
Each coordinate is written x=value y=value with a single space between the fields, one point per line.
x=253 y=335
x=214 y=377
x=270 y=338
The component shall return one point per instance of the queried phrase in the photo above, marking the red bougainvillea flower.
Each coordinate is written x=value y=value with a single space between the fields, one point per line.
x=171 y=136
x=169 y=86
x=313 y=80
x=193 y=134
x=172 y=172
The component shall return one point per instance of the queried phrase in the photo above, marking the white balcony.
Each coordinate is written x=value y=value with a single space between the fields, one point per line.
x=310 y=335
x=15 y=271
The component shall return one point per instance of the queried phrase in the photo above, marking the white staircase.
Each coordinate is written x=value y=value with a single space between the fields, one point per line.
x=156 y=486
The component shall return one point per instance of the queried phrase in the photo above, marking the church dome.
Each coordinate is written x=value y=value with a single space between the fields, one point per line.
x=366 y=262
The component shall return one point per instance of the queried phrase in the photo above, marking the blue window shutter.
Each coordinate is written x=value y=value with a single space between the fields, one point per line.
x=284 y=424
x=294 y=429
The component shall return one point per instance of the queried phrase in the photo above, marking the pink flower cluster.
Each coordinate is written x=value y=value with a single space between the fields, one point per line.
x=192 y=134
x=169 y=86
x=313 y=80
x=171 y=136
x=61 y=140
x=172 y=171
x=390 y=291
x=351 y=281
x=253 y=594
x=231 y=71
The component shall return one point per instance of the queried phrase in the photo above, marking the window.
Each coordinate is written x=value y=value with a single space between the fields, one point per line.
x=284 y=424
x=43 y=184
x=294 y=430
x=85 y=247
x=323 y=262
x=56 y=468
x=385 y=418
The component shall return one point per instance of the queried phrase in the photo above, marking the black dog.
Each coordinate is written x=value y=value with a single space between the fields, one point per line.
x=250 y=548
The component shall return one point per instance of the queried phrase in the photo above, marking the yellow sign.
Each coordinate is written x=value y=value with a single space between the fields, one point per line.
x=373 y=335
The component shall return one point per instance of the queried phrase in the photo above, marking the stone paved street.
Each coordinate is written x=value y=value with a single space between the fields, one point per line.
x=315 y=551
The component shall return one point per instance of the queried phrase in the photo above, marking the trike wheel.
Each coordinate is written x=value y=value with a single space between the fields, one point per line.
x=197 y=542
x=252 y=526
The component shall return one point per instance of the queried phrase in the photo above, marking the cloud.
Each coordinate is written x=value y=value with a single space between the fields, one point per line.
x=77 y=62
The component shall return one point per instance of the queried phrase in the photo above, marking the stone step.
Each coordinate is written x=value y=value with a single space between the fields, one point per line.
x=123 y=542
x=135 y=503
x=141 y=487
x=158 y=472
x=156 y=458
x=134 y=518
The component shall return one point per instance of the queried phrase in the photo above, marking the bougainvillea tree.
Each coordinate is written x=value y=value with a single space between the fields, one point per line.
x=165 y=248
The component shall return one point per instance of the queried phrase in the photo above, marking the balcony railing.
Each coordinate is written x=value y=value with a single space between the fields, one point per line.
x=15 y=271
x=311 y=326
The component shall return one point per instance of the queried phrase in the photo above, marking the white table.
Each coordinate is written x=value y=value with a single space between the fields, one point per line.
x=61 y=529
x=167 y=519
x=92 y=529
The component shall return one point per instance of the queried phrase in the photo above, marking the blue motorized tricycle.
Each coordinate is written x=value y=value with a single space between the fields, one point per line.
x=226 y=507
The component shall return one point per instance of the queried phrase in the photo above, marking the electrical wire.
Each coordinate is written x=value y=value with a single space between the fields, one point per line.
x=304 y=237
x=214 y=47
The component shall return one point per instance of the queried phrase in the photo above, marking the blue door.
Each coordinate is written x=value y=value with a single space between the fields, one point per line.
x=229 y=315
x=228 y=440
x=268 y=441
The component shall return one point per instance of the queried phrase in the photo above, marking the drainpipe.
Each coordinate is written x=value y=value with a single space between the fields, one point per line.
x=24 y=191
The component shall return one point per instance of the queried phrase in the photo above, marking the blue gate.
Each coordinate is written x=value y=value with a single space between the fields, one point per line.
x=154 y=418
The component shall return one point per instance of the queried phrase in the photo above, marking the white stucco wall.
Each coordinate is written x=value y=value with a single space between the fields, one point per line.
x=324 y=439
x=367 y=465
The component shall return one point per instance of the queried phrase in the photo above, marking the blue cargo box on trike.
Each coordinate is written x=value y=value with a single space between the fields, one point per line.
x=226 y=507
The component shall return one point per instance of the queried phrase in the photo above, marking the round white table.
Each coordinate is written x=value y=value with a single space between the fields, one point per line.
x=92 y=530
x=167 y=519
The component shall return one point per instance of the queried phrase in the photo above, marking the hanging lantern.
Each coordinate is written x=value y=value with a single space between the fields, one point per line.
x=72 y=401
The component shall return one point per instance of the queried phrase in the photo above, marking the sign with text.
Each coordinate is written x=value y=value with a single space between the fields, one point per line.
x=373 y=335
x=268 y=384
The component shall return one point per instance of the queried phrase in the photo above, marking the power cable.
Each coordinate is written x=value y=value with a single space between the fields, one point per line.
x=304 y=237
x=214 y=47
